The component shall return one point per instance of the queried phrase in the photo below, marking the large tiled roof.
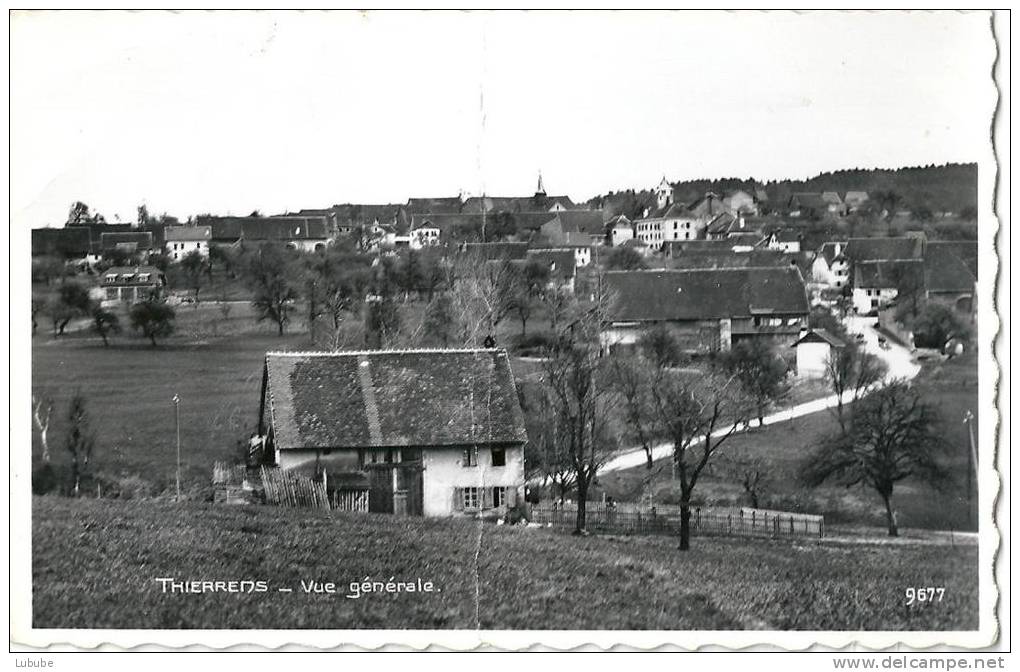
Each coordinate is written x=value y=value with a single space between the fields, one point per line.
x=188 y=233
x=532 y=221
x=442 y=205
x=708 y=205
x=892 y=274
x=139 y=239
x=591 y=222
x=392 y=398
x=946 y=267
x=561 y=262
x=813 y=200
x=265 y=228
x=69 y=241
x=496 y=251
x=884 y=249
x=670 y=210
x=757 y=258
x=131 y=275
x=706 y=294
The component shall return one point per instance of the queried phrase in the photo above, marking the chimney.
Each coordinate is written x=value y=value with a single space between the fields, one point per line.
x=838 y=248
x=741 y=222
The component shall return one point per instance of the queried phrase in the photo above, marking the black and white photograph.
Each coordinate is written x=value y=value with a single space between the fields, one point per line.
x=502 y=329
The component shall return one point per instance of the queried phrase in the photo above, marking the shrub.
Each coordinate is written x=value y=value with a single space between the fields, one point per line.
x=533 y=344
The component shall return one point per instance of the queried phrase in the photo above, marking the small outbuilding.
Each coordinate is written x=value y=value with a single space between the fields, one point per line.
x=814 y=348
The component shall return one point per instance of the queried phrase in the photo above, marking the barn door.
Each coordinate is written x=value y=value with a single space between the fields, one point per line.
x=380 y=494
x=407 y=497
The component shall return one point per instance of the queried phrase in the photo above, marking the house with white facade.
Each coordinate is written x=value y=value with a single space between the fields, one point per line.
x=424 y=236
x=182 y=240
x=706 y=310
x=620 y=230
x=129 y=284
x=415 y=432
x=815 y=348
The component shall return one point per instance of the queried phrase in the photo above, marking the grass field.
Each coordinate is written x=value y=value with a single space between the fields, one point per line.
x=129 y=388
x=214 y=363
x=782 y=447
x=95 y=565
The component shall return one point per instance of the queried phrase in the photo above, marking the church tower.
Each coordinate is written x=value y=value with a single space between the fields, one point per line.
x=540 y=192
x=663 y=193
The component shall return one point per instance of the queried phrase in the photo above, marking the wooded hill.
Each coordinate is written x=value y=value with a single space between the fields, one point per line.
x=948 y=188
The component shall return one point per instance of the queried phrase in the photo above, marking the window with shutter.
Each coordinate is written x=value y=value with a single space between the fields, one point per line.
x=458 y=499
x=487 y=494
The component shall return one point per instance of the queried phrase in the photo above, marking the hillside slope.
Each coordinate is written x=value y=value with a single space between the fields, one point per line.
x=96 y=565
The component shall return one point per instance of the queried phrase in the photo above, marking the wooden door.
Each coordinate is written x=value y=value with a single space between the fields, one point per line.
x=380 y=494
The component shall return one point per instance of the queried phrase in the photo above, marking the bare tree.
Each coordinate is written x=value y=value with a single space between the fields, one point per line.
x=751 y=473
x=580 y=397
x=42 y=423
x=851 y=372
x=80 y=439
x=632 y=377
x=697 y=412
x=559 y=304
x=894 y=434
x=480 y=296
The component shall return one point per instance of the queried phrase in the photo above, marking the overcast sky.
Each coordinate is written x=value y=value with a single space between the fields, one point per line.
x=231 y=112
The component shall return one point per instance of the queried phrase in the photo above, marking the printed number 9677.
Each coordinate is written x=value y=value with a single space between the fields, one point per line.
x=928 y=594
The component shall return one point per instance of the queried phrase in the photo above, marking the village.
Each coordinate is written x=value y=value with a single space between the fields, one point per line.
x=412 y=394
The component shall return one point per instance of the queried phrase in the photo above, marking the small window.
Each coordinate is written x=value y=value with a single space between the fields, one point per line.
x=499 y=457
x=470 y=457
x=499 y=496
x=471 y=498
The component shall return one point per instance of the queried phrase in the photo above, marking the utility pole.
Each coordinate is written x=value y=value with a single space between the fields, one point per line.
x=177 y=418
x=972 y=462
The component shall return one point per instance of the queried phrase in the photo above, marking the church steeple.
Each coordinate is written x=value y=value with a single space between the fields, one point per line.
x=663 y=193
x=541 y=188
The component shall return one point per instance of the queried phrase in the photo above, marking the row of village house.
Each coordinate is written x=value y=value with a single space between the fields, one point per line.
x=407 y=432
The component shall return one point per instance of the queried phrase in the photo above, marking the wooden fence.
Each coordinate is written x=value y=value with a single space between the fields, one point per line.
x=350 y=500
x=229 y=474
x=286 y=489
x=626 y=518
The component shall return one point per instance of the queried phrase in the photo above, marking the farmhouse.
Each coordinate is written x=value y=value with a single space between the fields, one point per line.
x=619 y=230
x=814 y=348
x=707 y=309
x=417 y=432
x=68 y=243
x=299 y=233
x=126 y=242
x=877 y=284
x=950 y=275
x=182 y=240
x=562 y=265
x=123 y=284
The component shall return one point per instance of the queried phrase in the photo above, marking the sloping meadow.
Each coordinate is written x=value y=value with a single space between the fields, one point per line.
x=145 y=564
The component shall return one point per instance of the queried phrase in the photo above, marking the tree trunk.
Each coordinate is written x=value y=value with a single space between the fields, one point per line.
x=106 y=343
x=890 y=515
x=279 y=326
x=648 y=456
x=685 y=523
x=582 y=497
x=524 y=326
x=152 y=339
x=63 y=324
